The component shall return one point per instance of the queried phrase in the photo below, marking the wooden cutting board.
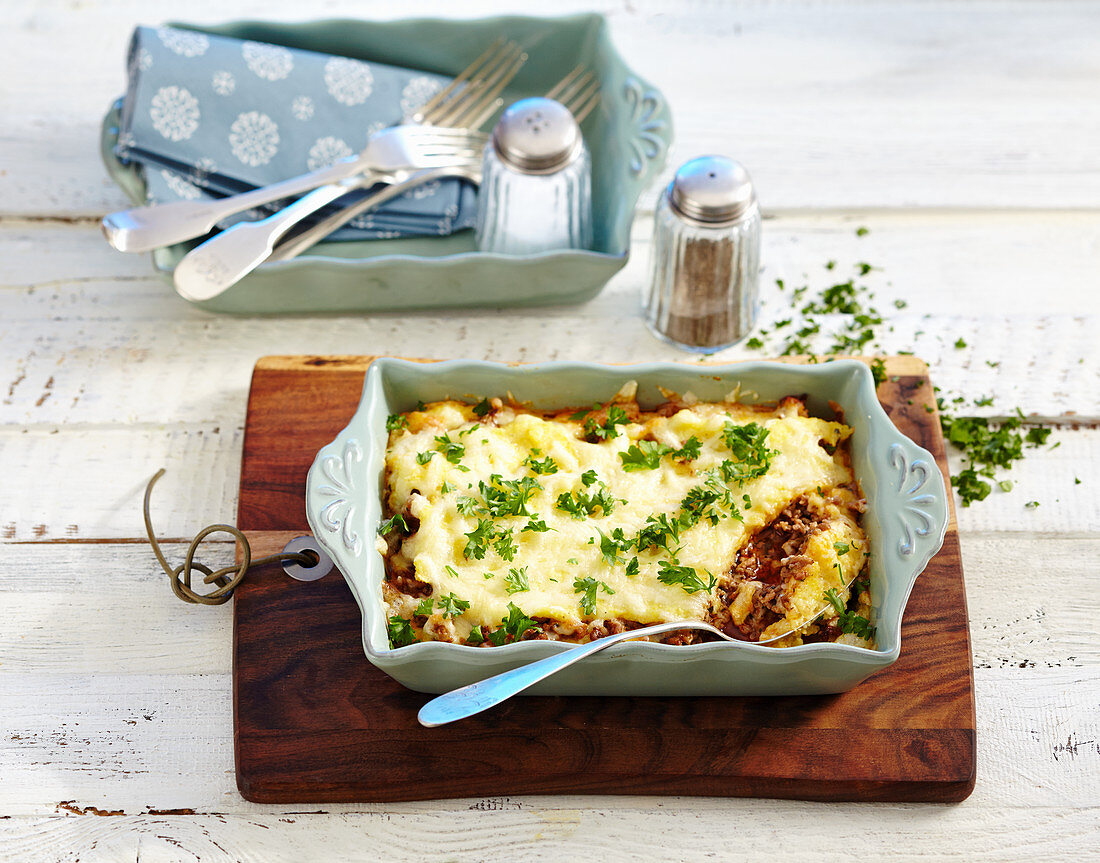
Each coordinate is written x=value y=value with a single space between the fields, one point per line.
x=314 y=721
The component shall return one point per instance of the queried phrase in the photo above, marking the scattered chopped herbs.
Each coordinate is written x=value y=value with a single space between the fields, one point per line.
x=983 y=401
x=862 y=232
x=658 y=532
x=536 y=525
x=396 y=421
x=451 y=571
x=613 y=547
x=452 y=606
x=482 y=407
x=516 y=623
x=425 y=607
x=546 y=467
x=616 y=416
x=878 y=370
x=643 y=455
x=400 y=632
x=1032 y=504
x=572 y=561
x=508 y=497
x=848 y=621
x=394 y=521
x=689 y=451
x=632 y=567
x=685 y=576
x=467 y=505
x=755 y=343
x=864 y=269
x=453 y=451
x=505 y=545
x=517 y=580
x=580 y=504
x=424 y=457
x=749 y=447
x=475 y=637
x=1005 y=485
x=960 y=343
x=588 y=477
x=479 y=539
x=446 y=488
x=841 y=547
x=587 y=587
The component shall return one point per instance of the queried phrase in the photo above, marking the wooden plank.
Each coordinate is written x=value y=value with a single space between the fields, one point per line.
x=305 y=738
x=883 y=104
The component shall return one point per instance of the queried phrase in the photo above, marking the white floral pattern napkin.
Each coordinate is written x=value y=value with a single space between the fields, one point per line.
x=209 y=115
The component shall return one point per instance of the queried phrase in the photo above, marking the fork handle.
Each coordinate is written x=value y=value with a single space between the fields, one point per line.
x=145 y=228
x=473 y=699
x=215 y=266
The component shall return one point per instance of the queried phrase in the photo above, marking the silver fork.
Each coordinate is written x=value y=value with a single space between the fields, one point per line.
x=421 y=141
x=579 y=91
x=479 y=696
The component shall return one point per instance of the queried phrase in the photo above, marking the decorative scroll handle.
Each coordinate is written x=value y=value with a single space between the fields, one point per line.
x=916 y=500
x=649 y=129
x=338 y=478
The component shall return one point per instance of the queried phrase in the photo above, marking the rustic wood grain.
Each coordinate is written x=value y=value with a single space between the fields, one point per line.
x=314 y=721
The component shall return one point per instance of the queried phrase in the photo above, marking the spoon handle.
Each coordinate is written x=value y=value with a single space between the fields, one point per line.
x=472 y=699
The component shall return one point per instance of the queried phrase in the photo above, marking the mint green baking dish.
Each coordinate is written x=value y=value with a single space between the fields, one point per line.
x=628 y=135
x=906 y=519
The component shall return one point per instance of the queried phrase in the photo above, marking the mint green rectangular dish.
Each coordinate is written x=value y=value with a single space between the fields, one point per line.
x=628 y=135
x=906 y=518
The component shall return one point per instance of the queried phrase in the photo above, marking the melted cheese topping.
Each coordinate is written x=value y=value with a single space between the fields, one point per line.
x=441 y=494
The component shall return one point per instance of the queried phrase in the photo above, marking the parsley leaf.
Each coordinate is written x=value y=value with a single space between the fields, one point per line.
x=478 y=539
x=588 y=477
x=505 y=545
x=748 y=443
x=424 y=457
x=396 y=421
x=453 y=451
x=516 y=623
x=546 y=467
x=658 y=532
x=475 y=637
x=612 y=547
x=508 y=497
x=536 y=525
x=616 y=416
x=632 y=567
x=467 y=505
x=425 y=607
x=394 y=521
x=517 y=580
x=685 y=576
x=587 y=587
x=452 y=606
x=848 y=621
x=400 y=632
x=841 y=547
x=689 y=451
x=482 y=407
x=580 y=504
x=643 y=455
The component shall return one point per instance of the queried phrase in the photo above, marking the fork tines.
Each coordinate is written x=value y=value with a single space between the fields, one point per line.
x=579 y=91
x=474 y=93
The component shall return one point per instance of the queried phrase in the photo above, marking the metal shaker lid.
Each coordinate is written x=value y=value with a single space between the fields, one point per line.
x=712 y=190
x=537 y=136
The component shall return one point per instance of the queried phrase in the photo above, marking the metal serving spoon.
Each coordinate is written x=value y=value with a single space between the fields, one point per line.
x=473 y=699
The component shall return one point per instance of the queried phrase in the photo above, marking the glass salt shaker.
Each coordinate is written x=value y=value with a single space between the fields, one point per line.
x=536 y=185
x=705 y=258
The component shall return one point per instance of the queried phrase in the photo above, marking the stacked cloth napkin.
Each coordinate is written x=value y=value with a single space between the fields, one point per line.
x=211 y=116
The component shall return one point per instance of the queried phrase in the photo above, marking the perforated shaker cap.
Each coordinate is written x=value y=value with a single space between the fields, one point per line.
x=537 y=136
x=712 y=190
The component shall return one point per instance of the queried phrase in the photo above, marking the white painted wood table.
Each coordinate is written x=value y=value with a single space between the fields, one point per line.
x=964 y=135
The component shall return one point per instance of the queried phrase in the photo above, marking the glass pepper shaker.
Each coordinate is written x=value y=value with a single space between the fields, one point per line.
x=705 y=258
x=536 y=182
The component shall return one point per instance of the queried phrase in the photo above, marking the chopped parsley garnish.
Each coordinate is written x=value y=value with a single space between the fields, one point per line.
x=508 y=497
x=878 y=370
x=396 y=421
x=467 y=505
x=658 y=532
x=400 y=632
x=482 y=407
x=960 y=343
x=1031 y=504
x=479 y=539
x=517 y=580
x=701 y=503
x=453 y=451
x=587 y=587
x=452 y=606
x=632 y=567
x=446 y=488
x=841 y=547
x=588 y=477
x=394 y=521
x=580 y=504
x=425 y=607
x=862 y=232
x=536 y=525
x=616 y=416
x=451 y=571
x=643 y=455
x=546 y=467
x=613 y=547
x=848 y=621
x=685 y=576
x=475 y=637
x=748 y=443
x=516 y=623
x=505 y=545
x=424 y=457
x=689 y=451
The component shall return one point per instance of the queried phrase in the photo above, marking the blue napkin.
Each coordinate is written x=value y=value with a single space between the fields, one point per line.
x=210 y=116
